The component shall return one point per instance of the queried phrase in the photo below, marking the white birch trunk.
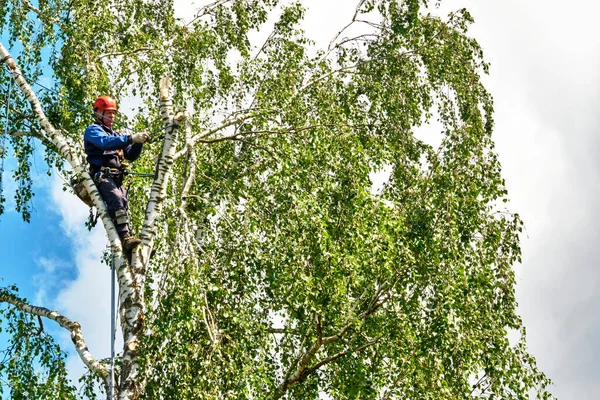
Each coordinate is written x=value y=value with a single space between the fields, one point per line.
x=132 y=302
x=64 y=149
x=131 y=279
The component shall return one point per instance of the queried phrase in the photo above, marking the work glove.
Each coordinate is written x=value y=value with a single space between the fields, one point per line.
x=140 y=138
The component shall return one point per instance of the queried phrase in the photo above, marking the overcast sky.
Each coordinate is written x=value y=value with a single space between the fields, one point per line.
x=545 y=66
x=545 y=77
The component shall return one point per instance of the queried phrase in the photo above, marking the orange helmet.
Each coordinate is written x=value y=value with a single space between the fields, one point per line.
x=105 y=103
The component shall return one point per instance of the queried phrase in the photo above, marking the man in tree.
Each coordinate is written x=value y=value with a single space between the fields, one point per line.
x=106 y=150
x=278 y=273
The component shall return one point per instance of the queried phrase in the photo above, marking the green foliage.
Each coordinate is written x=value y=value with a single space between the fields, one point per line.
x=280 y=273
x=91 y=386
x=33 y=366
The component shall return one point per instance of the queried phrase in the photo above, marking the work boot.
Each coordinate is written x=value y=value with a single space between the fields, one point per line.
x=130 y=242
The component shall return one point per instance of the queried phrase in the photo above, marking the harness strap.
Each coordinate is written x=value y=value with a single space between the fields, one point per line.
x=117 y=173
x=113 y=172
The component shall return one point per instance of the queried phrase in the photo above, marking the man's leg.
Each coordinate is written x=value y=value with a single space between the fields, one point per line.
x=115 y=198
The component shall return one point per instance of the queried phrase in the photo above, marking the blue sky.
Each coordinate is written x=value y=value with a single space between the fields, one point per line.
x=545 y=79
x=55 y=262
x=26 y=246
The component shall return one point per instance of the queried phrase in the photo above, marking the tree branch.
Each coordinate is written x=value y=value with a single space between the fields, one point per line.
x=285 y=382
x=63 y=148
x=164 y=168
x=204 y=10
x=64 y=322
x=333 y=72
x=200 y=138
x=24 y=134
x=376 y=302
x=132 y=303
x=332 y=358
x=6 y=383
x=189 y=177
x=301 y=361
x=237 y=136
x=123 y=53
x=32 y=8
x=337 y=35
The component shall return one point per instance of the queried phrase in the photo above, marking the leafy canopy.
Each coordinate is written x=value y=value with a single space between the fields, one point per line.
x=279 y=271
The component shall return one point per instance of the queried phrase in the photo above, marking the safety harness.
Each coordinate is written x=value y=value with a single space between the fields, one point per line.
x=120 y=173
x=114 y=173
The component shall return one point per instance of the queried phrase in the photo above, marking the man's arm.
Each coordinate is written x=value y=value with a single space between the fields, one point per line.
x=96 y=135
x=132 y=152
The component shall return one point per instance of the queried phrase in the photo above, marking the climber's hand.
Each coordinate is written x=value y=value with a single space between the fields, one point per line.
x=140 y=138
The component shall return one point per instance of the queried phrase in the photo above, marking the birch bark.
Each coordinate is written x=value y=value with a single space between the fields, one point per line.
x=73 y=327
x=133 y=296
x=131 y=278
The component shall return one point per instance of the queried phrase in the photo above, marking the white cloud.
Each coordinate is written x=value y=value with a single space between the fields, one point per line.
x=544 y=79
x=50 y=278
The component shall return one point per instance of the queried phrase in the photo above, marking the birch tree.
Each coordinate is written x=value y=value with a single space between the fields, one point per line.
x=269 y=267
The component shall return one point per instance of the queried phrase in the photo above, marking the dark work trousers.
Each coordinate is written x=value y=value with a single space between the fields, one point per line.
x=115 y=196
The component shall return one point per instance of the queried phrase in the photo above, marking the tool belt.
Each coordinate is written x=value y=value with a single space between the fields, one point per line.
x=109 y=172
x=116 y=173
x=113 y=172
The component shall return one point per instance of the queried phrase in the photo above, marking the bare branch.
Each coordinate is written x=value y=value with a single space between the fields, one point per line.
x=332 y=358
x=264 y=46
x=334 y=72
x=197 y=138
x=337 y=35
x=205 y=10
x=64 y=322
x=41 y=325
x=36 y=135
x=364 y=38
x=237 y=136
x=264 y=148
x=479 y=384
x=32 y=8
x=286 y=379
x=125 y=53
x=24 y=134
x=5 y=383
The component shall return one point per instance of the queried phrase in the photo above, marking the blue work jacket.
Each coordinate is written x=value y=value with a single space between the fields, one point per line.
x=105 y=147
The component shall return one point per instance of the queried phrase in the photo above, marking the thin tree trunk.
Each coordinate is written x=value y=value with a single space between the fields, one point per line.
x=132 y=301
